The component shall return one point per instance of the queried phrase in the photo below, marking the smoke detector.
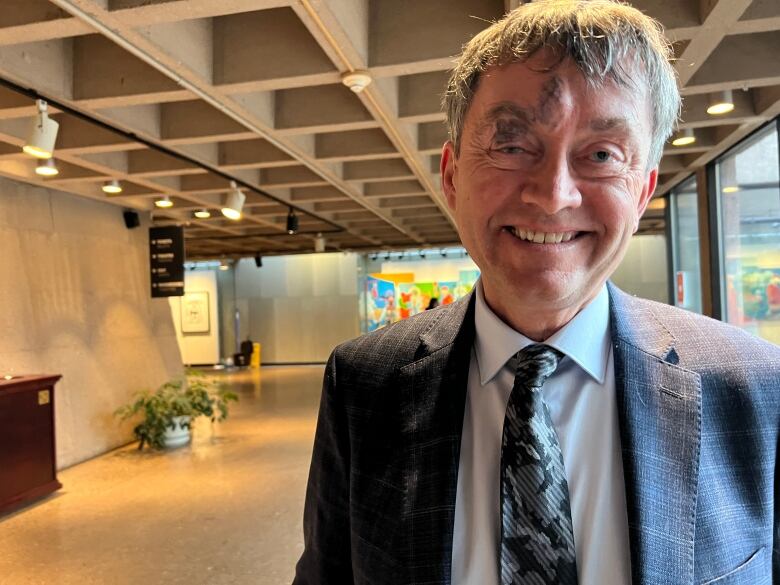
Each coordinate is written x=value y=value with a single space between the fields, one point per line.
x=357 y=81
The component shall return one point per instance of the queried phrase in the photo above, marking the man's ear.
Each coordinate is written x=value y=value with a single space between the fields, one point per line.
x=447 y=167
x=644 y=198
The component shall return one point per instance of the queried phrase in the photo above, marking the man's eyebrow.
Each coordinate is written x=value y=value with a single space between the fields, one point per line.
x=604 y=124
x=509 y=111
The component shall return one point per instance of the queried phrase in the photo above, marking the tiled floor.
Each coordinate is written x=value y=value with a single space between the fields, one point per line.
x=226 y=509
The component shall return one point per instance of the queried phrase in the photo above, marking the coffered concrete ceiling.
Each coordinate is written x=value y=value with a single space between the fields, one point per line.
x=251 y=90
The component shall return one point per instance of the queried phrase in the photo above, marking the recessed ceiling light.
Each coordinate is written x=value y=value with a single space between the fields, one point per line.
x=202 y=214
x=47 y=168
x=357 y=81
x=731 y=189
x=721 y=103
x=164 y=202
x=684 y=138
x=43 y=133
x=112 y=187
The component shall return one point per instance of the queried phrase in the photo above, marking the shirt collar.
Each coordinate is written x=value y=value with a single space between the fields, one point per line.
x=585 y=339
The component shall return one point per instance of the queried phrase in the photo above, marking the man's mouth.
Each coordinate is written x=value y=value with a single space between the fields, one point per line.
x=538 y=237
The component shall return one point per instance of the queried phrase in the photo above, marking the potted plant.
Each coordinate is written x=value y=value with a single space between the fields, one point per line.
x=169 y=410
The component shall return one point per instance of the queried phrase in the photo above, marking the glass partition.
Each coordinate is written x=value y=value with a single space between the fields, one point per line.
x=749 y=206
x=685 y=246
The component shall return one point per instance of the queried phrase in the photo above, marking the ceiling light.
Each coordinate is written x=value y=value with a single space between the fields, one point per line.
x=224 y=266
x=202 y=214
x=234 y=203
x=164 y=202
x=357 y=81
x=731 y=189
x=292 y=222
x=112 y=187
x=684 y=138
x=43 y=133
x=319 y=243
x=720 y=103
x=47 y=168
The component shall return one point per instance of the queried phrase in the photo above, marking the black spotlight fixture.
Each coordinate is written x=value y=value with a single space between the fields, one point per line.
x=258 y=260
x=292 y=222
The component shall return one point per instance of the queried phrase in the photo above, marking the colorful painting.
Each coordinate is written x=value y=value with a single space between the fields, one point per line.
x=381 y=307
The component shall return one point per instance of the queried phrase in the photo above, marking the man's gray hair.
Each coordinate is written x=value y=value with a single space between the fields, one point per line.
x=607 y=40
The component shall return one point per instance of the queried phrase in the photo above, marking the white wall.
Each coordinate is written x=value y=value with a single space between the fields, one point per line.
x=198 y=348
x=75 y=301
x=643 y=271
x=298 y=307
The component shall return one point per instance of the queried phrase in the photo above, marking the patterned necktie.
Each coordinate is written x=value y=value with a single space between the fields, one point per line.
x=537 y=542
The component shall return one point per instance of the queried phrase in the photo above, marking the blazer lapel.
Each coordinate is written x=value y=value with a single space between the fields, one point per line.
x=433 y=397
x=660 y=425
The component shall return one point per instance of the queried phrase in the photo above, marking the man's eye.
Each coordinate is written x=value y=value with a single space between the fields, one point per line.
x=510 y=149
x=601 y=156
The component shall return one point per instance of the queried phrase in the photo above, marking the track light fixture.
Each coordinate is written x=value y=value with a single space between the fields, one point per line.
x=319 y=243
x=202 y=214
x=164 y=202
x=43 y=133
x=292 y=222
x=47 y=168
x=258 y=261
x=721 y=103
x=234 y=203
x=112 y=187
x=684 y=137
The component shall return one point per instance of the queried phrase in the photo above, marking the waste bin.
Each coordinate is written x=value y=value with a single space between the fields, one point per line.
x=255 y=362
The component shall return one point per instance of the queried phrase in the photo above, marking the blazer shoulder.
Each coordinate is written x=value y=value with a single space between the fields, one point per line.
x=393 y=346
x=710 y=346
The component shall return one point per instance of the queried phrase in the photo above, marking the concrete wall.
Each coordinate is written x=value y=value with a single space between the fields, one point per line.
x=199 y=348
x=75 y=301
x=298 y=307
x=643 y=271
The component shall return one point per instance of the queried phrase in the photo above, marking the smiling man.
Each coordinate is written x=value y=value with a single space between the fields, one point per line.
x=550 y=429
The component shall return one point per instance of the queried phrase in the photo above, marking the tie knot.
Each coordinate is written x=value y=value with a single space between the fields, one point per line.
x=536 y=363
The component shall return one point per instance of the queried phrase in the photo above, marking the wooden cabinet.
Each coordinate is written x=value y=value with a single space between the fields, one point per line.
x=28 y=465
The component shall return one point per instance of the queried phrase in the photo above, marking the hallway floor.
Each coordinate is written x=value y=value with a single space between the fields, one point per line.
x=226 y=509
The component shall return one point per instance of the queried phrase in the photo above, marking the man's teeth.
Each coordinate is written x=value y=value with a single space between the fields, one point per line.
x=542 y=237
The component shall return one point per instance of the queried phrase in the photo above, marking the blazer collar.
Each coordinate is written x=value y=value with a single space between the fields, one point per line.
x=659 y=406
x=433 y=398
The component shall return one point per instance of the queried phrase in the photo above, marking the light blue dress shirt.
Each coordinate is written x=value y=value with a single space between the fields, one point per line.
x=582 y=402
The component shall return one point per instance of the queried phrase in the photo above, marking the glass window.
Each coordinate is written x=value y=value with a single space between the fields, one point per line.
x=749 y=206
x=685 y=246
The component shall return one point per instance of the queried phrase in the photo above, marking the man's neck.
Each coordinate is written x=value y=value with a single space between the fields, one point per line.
x=535 y=322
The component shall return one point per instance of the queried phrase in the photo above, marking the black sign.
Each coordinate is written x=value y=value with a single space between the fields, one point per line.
x=166 y=261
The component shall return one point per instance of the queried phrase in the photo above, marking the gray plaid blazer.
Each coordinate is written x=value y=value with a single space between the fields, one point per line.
x=699 y=405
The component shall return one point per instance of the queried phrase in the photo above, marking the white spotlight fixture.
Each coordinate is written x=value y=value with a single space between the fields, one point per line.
x=292 y=222
x=112 y=187
x=47 y=168
x=164 y=202
x=684 y=137
x=319 y=243
x=203 y=214
x=43 y=134
x=234 y=202
x=357 y=81
x=721 y=103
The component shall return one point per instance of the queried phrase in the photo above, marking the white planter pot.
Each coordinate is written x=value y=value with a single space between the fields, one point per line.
x=178 y=435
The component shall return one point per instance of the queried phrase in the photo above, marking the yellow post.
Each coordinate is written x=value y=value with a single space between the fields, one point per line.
x=255 y=360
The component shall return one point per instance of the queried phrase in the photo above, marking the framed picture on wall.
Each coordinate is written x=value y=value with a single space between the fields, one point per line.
x=195 y=313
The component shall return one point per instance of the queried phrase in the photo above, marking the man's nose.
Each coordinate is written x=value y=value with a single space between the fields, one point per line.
x=551 y=186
